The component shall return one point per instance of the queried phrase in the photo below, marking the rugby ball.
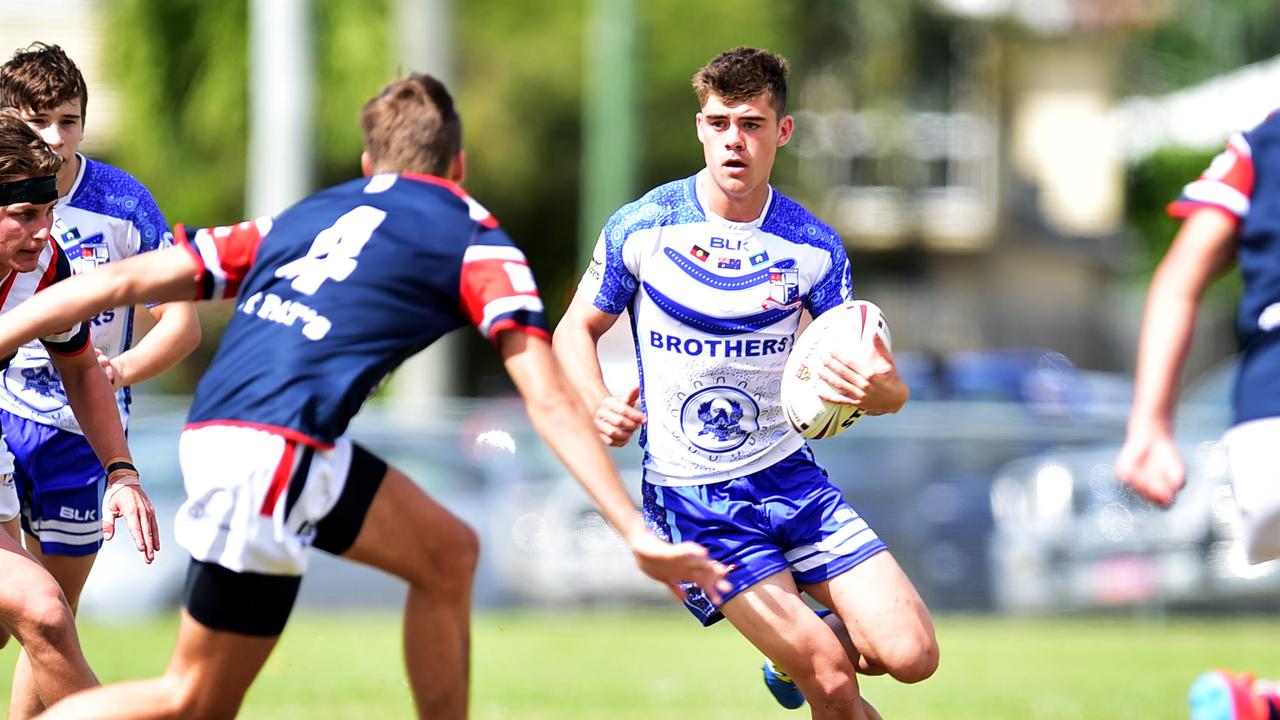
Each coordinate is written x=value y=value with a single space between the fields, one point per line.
x=848 y=329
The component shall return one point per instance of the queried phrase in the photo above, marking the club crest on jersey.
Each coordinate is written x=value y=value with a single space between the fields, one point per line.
x=719 y=419
x=699 y=254
x=784 y=288
x=42 y=381
x=93 y=251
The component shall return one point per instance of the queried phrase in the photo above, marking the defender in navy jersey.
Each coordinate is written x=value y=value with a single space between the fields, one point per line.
x=32 y=606
x=1231 y=214
x=329 y=297
x=103 y=215
x=716 y=271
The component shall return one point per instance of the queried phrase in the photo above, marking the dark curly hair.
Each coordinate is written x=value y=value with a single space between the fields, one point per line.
x=741 y=74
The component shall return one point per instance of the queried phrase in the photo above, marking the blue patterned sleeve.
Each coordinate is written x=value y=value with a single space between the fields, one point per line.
x=153 y=229
x=608 y=275
x=835 y=287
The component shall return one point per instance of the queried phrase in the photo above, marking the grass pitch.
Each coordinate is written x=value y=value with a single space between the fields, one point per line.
x=660 y=664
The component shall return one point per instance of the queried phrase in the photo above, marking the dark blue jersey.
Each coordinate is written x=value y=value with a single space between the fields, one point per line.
x=340 y=289
x=1244 y=182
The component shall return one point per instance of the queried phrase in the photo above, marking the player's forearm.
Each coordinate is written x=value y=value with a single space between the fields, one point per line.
x=94 y=404
x=576 y=349
x=175 y=335
x=564 y=424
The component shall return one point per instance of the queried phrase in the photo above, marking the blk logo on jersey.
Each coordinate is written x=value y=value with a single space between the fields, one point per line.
x=719 y=419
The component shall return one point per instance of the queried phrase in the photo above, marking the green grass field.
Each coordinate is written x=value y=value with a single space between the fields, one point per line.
x=660 y=665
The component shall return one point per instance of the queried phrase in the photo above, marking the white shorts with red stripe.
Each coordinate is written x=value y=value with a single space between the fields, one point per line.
x=245 y=509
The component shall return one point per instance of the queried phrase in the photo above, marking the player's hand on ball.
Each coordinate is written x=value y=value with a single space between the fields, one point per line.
x=1150 y=463
x=676 y=565
x=618 y=418
x=870 y=382
x=129 y=501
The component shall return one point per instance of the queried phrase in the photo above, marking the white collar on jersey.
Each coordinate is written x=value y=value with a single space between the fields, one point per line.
x=84 y=163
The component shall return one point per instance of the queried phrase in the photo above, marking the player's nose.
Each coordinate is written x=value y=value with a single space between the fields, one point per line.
x=50 y=135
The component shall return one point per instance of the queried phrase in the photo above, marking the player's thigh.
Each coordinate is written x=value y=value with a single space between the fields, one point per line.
x=774 y=618
x=407 y=533
x=886 y=619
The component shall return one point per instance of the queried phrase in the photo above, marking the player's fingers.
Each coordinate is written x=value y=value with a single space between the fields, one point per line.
x=617 y=408
x=632 y=395
x=108 y=526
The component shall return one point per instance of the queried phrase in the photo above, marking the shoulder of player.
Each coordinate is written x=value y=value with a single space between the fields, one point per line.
x=666 y=204
x=108 y=190
x=792 y=221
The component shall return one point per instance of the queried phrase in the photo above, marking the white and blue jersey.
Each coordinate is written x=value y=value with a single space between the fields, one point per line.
x=108 y=216
x=715 y=306
x=1244 y=183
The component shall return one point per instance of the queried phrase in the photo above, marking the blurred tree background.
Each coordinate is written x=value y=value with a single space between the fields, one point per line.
x=181 y=66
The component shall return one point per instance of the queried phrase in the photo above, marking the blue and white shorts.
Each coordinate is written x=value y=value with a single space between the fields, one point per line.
x=786 y=517
x=59 y=482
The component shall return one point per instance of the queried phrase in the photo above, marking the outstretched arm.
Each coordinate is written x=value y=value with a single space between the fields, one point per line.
x=1203 y=248
x=615 y=416
x=559 y=418
x=159 y=276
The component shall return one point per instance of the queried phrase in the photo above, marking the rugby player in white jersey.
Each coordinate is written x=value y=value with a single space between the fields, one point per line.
x=103 y=215
x=715 y=270
x=32 y=606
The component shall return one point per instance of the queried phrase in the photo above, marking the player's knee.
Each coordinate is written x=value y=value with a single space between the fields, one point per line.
x=830 y=686
x=450 y=558
x=46 y=621
x=911 y=660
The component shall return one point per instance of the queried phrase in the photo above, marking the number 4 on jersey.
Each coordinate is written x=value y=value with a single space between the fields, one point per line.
x=333 y=253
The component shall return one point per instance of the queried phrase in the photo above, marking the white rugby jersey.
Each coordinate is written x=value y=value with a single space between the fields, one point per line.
x=715 y=306
x=107 y=216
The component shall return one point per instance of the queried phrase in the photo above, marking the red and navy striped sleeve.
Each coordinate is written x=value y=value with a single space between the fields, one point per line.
x=1227 y=184
x=498 y=292
x=225 y=254
x=75 y=339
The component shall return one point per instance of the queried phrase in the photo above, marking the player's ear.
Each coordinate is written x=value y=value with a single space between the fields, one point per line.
x=786 y=126
x=458 y=167
x=366 y=165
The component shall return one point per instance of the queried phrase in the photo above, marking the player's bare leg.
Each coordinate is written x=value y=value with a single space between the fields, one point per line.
x=33 y=609
x=773 y=617
x=14 y=529
x=408 y=534
x=886 y=620
x=70 y=574
x=207 y=678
